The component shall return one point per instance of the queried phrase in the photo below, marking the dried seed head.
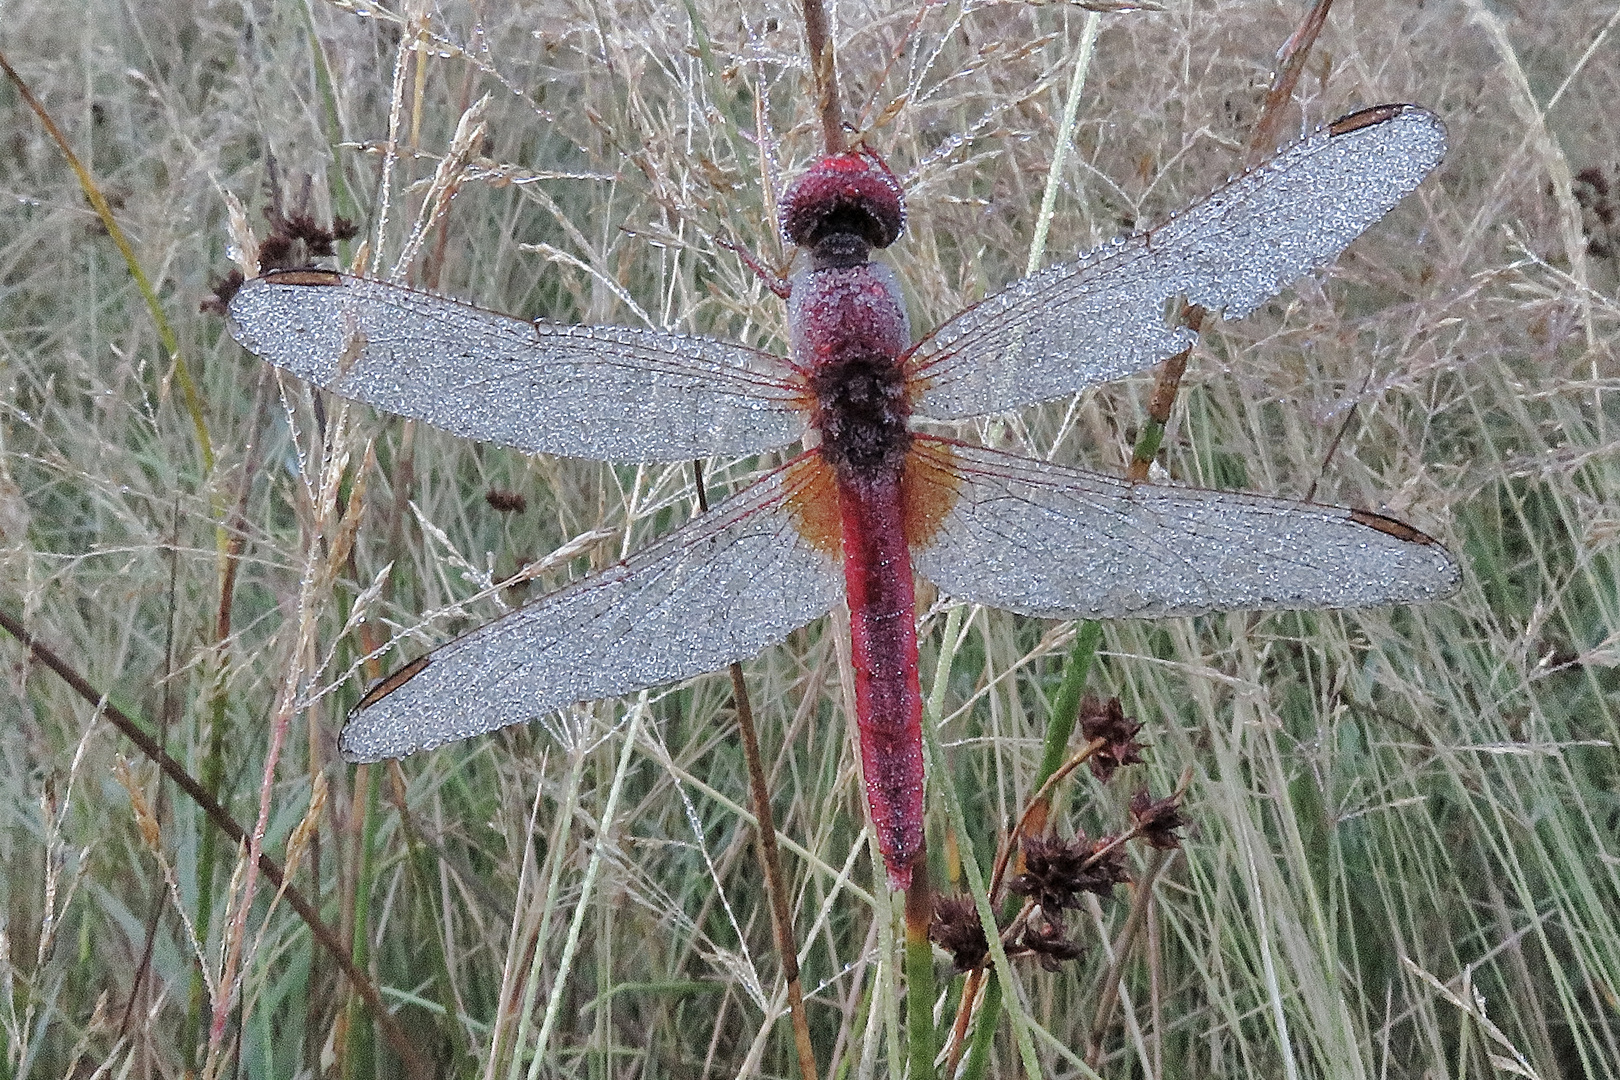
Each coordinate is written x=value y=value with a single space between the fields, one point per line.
x=1158 y=819
x=1057 y=871
x=1106 y=720
x=956 y=929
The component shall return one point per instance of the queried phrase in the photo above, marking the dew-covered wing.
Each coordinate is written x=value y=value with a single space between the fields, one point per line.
x=606 y=392
x=717 y=590
x=1046 y=540
x=1103 y=316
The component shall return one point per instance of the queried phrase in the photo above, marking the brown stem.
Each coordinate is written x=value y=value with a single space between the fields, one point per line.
x=1290 y=65
x=1262 y=140
x=771 y=857
x=1127 y=935
x=416 y=1064
x=1163 y=400
x=964 y=1013
x=434 y=263
x=1338 y=437
x=826 y=76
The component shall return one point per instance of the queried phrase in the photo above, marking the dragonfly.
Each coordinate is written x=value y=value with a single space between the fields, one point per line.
x=870 y=500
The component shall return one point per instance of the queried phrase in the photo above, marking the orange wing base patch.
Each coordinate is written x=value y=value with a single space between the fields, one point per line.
x=928 y=489
x=812 y=499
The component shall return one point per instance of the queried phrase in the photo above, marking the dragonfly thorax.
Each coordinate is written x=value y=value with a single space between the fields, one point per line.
x=861 y=412
x=849 y=330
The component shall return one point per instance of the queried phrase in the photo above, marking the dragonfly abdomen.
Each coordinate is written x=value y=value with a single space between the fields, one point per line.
x=883 y=653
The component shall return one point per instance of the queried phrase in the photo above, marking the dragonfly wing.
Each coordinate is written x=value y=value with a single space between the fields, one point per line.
x=1103 y=316
x=606 y=392
x=1046 y=540
x=720 y=589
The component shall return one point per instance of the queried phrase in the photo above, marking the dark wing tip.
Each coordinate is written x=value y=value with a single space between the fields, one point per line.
x=1445 y=573
x=1400 y=530
x=304 y=276
x=1378 y=115
x=391 y=682
x=360 y=728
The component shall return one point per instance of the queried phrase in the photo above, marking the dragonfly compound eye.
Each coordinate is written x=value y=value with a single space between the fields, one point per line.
x=848 y=194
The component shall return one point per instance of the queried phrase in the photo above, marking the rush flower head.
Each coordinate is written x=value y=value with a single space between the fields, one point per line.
x=956 y=929
x=1106 y=720
x=1057 y=871
x=1157 y=820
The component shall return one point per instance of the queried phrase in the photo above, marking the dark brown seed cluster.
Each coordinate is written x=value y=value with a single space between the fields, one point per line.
x=1057 y=871
x=297 y=240
x=1156 y=820
x=1106 y=720
x=507 y=502
x=1595 y=191
x=956 y=929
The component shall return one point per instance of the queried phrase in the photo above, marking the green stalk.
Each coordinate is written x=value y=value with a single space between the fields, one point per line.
x=166 y=334
x=921 y=1044
x=1066 y=705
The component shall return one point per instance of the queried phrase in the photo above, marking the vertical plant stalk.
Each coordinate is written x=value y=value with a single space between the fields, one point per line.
x=1060 y=727
x=1163 y=400
x=159 y=899
x=556 y=859
x=1057 y=734
x=213 y=764
x=325 y=519
x=166 y=334
x=1290 y=65
x=587 y=888
x=971 y=873
x=921 y=1043
x=1065 y=135
x=1134 y=922
x=770 y=857
x=825 y=73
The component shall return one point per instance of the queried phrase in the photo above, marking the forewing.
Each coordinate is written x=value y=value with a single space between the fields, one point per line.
x=1046 y=540
x=720 y=589
x=605 y=392
x=1103 y=316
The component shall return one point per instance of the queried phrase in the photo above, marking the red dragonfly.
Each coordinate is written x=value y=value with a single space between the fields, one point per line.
x=869 y=502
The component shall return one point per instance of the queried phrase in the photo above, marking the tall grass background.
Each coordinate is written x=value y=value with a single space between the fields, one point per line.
x=1403 y=861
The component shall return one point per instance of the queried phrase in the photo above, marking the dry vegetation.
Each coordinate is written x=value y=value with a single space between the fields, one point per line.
x=1395 y=810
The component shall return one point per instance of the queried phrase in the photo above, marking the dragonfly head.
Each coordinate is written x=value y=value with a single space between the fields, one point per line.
x=845 y=205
